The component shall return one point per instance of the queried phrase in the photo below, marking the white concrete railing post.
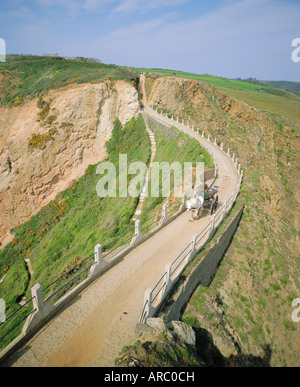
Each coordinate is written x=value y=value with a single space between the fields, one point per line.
x=167 y=283
x=216 y=169
x=241 y=175
x=193 y=253
x=99 y=264
x=148 y=311
x=183 y=202
x=36 y=292
x=164 y=214
x=138 y=236
x=41 y=310
x=212 y=225
x=225 y=211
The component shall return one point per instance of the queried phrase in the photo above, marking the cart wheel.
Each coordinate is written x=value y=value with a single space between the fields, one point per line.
x=212 y=207
x=216 y=202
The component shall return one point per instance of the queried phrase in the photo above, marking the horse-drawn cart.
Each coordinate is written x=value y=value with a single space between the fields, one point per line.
x=211 y=199
x=207 y=199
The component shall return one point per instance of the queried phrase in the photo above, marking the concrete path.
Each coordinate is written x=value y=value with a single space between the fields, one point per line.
x=102 y=319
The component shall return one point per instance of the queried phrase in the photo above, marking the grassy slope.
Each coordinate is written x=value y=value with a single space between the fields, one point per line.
x=174 y=149
x=65 y=231
x=292 y=86
x=25 y=77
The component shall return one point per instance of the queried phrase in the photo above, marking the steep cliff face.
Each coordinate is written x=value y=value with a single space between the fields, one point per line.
x=49 y=141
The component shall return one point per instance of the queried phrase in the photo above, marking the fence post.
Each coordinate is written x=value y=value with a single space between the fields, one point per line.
x=99 y=264
x=148 y=308
x=138 y=236
x=36 y=292
x=168 y=282
x=193 y=253
x=164 y=214
x=183 y=202
x=216 y=169
x=42 y=310
x=225 y=211
x=212 y=225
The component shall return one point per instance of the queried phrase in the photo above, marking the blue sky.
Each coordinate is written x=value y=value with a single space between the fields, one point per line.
x=230 y=38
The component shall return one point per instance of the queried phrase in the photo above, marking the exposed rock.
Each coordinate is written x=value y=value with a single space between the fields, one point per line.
x=82 y=120
x=162 y=345
x=183 y=332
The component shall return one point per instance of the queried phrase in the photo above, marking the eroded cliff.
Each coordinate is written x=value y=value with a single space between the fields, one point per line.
x=50 y=140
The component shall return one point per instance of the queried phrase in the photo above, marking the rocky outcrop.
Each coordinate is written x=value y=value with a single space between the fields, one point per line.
x=78 y=122
x=163 y=345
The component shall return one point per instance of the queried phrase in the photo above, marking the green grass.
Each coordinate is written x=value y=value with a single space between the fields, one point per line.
x=260 y=95
x=65 y=231
x=221 y=82
x=178 y=147
x=25 y=77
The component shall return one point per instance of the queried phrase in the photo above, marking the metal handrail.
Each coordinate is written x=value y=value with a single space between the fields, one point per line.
x=15 y=326
x=66 y=284
x=175 y=260
x=15 y=312
x=64 y=275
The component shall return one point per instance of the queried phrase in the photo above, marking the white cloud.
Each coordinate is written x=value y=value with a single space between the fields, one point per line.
x=117 y=6
x=143 y=6
x=243 y=38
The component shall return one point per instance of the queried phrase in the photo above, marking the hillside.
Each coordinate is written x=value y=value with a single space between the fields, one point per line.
x=23 y=78
x=57 y=218
x=252 y=293
x=51 y=131
x=59 y=119
x=292 y=86
x=64 y=232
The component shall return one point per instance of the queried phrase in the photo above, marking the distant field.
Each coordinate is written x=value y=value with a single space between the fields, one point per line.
x=283 y=106
x=219 y=81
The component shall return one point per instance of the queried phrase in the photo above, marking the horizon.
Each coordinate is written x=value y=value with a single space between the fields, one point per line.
x=154 y=68
x=226 y=38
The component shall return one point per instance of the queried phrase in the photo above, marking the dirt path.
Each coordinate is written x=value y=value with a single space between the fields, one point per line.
x=95 y=327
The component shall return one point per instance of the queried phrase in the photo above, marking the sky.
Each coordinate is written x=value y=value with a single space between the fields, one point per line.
x=228 y=38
